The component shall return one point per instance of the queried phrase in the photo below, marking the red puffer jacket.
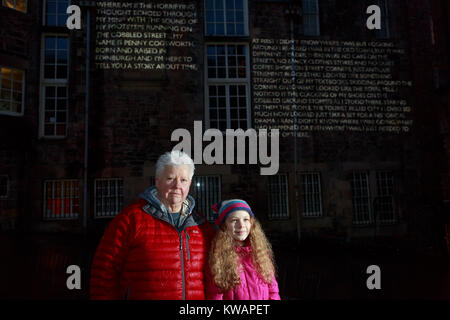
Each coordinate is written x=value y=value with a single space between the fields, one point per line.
x=143 y=256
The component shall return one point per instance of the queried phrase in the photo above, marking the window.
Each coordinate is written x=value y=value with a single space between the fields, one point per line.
x=311 y=19
x=278 y=199
x=226 y=17
x=54 y=75
x=11 y=91
x=55 y=12
x=4 y=186
x=206 y=191
x=311 y=194
x=108 y=197
x=61 y=199
x=56 y=57
x=383 y=33
x=384 y=205
x=19 y=5
x=361 y=198
x=228 y=86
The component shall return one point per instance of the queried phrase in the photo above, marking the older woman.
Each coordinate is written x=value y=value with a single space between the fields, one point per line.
x=155 y=248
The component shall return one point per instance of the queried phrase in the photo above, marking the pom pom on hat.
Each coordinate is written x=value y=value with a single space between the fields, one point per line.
x=225 y=208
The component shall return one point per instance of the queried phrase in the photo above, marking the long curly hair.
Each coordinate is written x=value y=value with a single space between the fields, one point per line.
x=224 y=260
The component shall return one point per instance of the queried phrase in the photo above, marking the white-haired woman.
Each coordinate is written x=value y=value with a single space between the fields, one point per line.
x=157 y=247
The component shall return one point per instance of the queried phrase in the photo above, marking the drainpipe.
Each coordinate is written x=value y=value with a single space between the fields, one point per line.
x=292 y=12
x=86 y=116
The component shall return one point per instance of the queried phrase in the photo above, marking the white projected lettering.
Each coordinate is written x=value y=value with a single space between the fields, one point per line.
x=140 y=36
x=335 y=86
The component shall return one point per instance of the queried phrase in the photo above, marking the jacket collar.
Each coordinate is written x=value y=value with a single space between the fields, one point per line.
x=155 y=208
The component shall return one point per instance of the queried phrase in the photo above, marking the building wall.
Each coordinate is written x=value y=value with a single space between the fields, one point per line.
x=132 y=114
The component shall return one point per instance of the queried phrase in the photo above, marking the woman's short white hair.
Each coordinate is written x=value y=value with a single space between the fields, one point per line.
x=174 y=158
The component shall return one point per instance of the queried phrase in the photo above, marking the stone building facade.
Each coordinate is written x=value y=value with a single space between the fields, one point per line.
x=357 y=150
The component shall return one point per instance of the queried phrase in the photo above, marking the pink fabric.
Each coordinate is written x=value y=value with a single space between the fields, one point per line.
x=252 y=286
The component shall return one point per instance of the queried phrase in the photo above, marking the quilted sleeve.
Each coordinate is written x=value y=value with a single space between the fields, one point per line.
x=109 y=259
x=273 y=290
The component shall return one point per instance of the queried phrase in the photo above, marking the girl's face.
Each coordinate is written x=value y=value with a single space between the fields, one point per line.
x=238 y=225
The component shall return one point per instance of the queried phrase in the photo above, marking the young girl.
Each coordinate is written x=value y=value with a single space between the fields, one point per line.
x=241 y=264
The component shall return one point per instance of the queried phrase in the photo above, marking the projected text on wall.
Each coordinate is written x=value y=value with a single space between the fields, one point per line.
x=137 y=35
x=320 y=85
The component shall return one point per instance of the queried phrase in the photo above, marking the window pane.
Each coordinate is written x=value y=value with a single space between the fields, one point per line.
x=62 y=43
x=49 y=91
x=60 y=117
x=219 y=4
x=221 y=90
x=62 y=92
x=4 y=106
x=21 y=5
x=62 y=57
x=231 y=29
x=50 y=43
x=6 y=84
x=49 y=72
x=61 y=104
x=17 y=75
x=49 y=130
x=209 y=16
x=220 y=29
x=9 y=4
x=239 y=28
x=60 y=129
x=209 y=4
x=5 y=94
x=212 y=73
x=17 y=86
x=61 y=72
x=210 y=29
x=221 y=73
x=211 y=61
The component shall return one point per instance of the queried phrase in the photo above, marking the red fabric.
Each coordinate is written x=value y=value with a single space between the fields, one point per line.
x=139 y=257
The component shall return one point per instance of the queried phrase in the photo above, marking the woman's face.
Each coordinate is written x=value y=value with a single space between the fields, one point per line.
x=173 y=185
x=238 y=225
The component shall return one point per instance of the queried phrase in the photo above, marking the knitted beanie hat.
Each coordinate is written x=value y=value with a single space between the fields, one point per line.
x=226 y=207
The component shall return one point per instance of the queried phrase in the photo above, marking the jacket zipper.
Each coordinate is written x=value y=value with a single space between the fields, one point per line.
x=182 y=264
x=187 y=245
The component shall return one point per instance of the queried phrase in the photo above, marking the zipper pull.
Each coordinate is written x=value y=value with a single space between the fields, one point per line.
x=187 y=245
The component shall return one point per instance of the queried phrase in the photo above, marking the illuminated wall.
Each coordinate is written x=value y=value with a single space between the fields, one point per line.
x=335 y=86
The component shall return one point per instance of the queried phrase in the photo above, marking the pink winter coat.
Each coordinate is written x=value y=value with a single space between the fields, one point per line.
x=252 y=286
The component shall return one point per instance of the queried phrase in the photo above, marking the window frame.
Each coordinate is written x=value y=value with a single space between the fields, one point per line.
x=47 y=82
x=380 y=185
x=15 y=6
x=227 y=82
x=283 y=189
x=22 y=102
x=355 y=214
x=44 y=14
x=64 y=216
x=308 y=199
x=119 y=197
x=245 y=22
